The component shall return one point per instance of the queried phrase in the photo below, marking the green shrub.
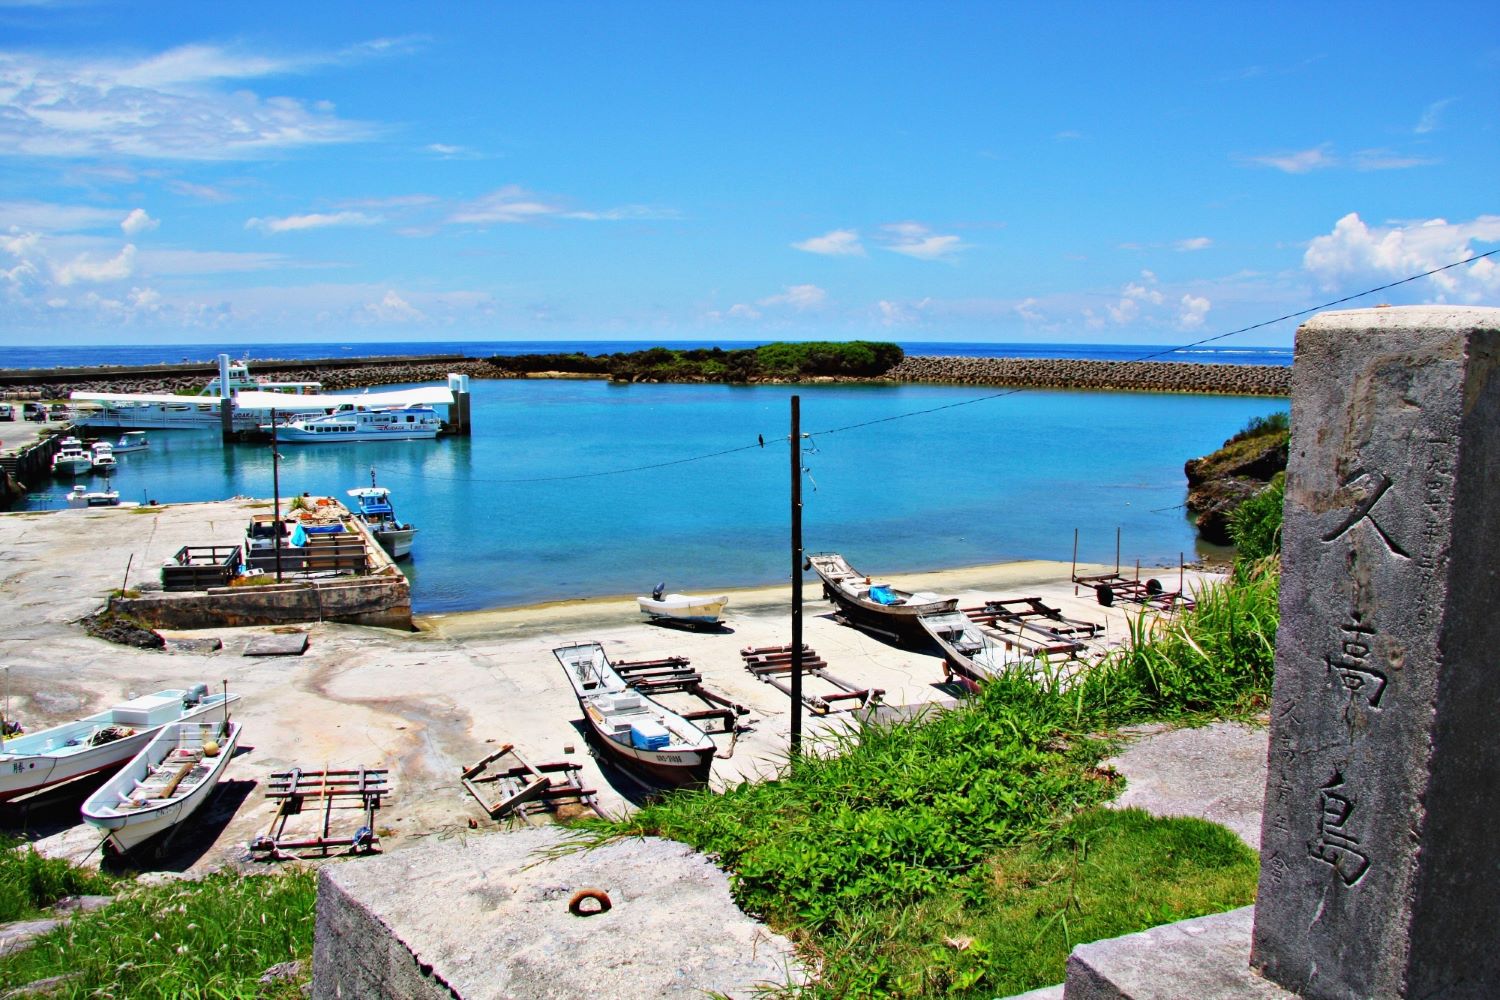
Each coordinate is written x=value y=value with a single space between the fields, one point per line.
x=29 y=882
x=1275 y=423
x=1255 y=526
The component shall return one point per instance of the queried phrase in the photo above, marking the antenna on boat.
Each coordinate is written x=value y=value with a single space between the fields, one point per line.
x=372 y=477
x=5 y=713
x=225 y=682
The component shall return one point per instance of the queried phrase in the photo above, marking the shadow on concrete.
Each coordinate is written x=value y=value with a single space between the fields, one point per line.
x=672 y=625
x=183 y=846
x=51 y=810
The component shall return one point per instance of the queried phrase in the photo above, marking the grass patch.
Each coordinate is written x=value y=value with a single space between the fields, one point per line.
x=203 y=940
x=29 y=883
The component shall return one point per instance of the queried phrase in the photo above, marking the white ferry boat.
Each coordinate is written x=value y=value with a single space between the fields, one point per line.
x=167 y=411
x=356 y=422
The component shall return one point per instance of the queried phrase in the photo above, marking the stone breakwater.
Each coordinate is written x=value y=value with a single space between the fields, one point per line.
x=1063 y=373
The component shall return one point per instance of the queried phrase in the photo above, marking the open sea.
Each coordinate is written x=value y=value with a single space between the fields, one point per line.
x=575 y=488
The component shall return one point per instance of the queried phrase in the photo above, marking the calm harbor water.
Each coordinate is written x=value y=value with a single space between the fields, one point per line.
x=999 y=479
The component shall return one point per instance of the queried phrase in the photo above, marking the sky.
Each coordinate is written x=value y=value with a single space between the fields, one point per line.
x=1068 y=172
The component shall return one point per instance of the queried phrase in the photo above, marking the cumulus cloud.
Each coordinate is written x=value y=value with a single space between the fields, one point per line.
x=1299 y=161
x=138 y=222
x=838 y=243
x=315 y=220
x=1027 y=310
x=392 y=308
x=913 y=239
x=798 y=297
x=1193 y=243
x=86 y=268
x=1192 y=311
x=1355 y=252
x=188 y=103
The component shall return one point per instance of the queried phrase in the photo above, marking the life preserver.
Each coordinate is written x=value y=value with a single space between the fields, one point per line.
x=575 y=904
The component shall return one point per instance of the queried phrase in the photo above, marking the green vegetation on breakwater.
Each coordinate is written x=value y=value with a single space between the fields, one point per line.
x=769 y=361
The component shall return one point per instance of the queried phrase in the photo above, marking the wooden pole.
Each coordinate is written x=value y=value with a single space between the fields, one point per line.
x=275 y=496
x=796 y=439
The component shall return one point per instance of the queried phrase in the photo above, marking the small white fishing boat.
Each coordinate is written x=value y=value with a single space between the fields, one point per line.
x=165 y=783
x=373 y=507
x=81 y=496
x=100 y=741
x=356 y=422
x=686 y=608
x=71 y=459
x=640 y=734
x=131 y=441
x=102 y=455
x=970 y=655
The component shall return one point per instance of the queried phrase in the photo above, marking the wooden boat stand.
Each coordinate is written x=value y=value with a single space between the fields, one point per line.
x=675 y=673
x=360 y=788
x=525 y=788
x=1036 y=627
x=767 y=662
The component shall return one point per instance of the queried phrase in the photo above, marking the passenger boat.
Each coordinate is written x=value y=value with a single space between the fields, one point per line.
x=373 y=507
x=165 y=783
x=131 y=441
x=71 y=459
x=638 y=733
x=102 y=456
x=685 y=608
x=98 y=742
x=970 y=655
x=356 y=422
x=873 y=605
x=81 y=496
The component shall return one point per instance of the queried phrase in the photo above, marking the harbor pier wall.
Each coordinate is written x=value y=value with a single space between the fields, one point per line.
x=383 y=601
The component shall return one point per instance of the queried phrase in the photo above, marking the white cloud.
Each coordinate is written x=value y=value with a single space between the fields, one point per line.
x=315 y=220
x=838 y=243
x=51 y=218
x=515 y=204
x=85 y=268
x=1431 y=119
x=625 y=213
x=1356 y=253
x=916 y=240
x=138 y=222
x=188 y=103
x=1027 y=310
x=1192 y=311
x=1300 y=161
x=202 y=192
x=1384 y=159
x=1193 y=243
x=392 y=308
x=742 y=311
x=798 y=297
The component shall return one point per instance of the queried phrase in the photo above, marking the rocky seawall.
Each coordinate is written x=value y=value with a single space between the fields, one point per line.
x=1063 y=373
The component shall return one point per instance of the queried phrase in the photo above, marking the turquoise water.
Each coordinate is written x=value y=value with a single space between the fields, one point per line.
x=1001 y=479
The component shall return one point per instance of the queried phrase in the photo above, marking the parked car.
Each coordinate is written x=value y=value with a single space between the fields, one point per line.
x=34 y=411
x=7 y=411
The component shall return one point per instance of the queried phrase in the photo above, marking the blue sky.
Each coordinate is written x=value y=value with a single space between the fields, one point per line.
x=1133 y=173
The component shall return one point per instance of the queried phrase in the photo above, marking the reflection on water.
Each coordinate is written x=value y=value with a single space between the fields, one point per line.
x=1005 y=478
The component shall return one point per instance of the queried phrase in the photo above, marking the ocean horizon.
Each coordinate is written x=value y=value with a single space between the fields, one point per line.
x=150 y=354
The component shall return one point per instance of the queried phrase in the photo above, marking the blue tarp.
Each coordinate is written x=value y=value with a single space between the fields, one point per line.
x=299 y=536
x=883 y=595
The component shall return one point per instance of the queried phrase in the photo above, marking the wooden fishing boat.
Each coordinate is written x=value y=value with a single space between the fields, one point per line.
x=970 y=655
x=641 y=735
x=875 y=605
x=98 y=742
x=686 y=608
x=165 y=783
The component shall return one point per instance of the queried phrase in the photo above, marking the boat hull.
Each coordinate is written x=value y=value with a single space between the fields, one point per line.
x=397 y=543
x=130 y=830
x=696 y=610
x=668 y=768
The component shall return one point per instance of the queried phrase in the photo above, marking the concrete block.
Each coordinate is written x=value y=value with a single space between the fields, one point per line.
x=1378 y=864
x=1203 y=959
x=488 y=916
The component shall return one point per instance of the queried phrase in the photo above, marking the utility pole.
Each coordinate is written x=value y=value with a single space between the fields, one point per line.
x=796 y=577
x=275 y=495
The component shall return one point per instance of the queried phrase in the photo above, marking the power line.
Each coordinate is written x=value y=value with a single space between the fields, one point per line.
x=760 y=443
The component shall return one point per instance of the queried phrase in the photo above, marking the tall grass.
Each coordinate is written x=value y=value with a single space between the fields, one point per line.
x=29 y=882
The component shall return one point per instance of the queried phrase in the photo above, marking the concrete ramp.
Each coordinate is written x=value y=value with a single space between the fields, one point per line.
x=488 y=917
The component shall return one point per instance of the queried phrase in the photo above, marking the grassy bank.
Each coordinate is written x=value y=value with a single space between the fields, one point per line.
x=29 y=883
x=769 y=361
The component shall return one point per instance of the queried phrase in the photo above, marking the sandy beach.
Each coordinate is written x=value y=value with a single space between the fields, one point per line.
x=425 y=704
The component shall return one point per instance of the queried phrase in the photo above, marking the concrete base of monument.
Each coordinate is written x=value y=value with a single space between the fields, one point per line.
x=1203 y=959
x=489 y=916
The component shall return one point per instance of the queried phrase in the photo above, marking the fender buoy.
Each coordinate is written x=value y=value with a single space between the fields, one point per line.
x=575 y=904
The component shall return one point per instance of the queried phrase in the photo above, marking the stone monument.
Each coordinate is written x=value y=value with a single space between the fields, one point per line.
x=1380 y=875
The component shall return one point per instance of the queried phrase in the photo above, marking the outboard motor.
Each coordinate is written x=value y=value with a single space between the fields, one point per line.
x=660 y=591
x=195 y=694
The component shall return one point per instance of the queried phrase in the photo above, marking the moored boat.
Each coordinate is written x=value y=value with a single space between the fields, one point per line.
x=97 y=742
x=373 y=507
x=874 y=605
x=686 y=608
x=131 y=441
x=165 y=783
x=357 y=422
x=638 y=733
x=81 y=496
x=71 y=459
x=102 y=456
x=171 y=411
